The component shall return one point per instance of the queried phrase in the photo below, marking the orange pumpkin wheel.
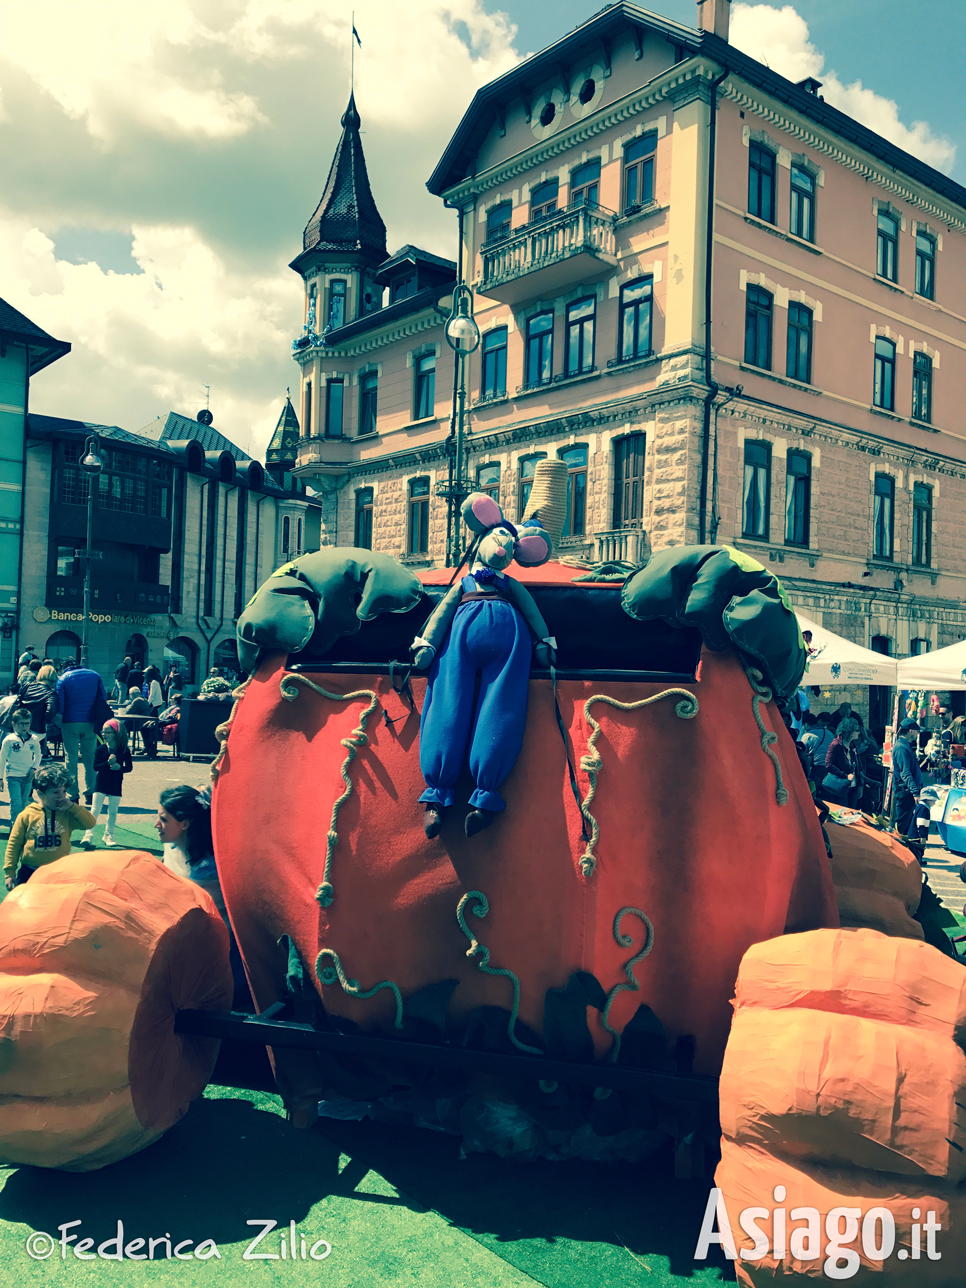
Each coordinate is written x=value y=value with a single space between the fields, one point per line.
x=96 y=956
x=878 y=882
x=843 y=1086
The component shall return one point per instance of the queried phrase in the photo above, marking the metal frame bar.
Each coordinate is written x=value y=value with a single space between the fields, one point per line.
x=324 y=667
x=268 y=1031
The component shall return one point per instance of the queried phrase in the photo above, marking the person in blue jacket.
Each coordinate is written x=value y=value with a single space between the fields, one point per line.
x=79 y=692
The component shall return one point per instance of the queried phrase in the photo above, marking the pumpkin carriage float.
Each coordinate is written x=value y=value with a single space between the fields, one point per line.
x=640 y=939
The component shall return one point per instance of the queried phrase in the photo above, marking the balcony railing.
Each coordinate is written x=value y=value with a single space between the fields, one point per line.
x=570 y=246
x=624 y=545
x=108 y=596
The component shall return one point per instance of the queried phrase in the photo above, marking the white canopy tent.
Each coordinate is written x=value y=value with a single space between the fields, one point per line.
x=834 y=660
x=944 y=669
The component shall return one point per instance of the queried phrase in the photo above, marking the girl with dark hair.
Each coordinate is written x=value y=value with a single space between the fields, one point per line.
x=184 y=822
x=151 y=689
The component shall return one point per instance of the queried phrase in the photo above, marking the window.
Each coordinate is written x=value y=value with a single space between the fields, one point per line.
x=66 y=563
x=425 y=387
x=922 y=387
x=539 y=350
x=887 y=248
x=575 y=459
x=798 y=498
x=925 y=266
x=758 y=328
x=419 y=516
x=639 y=172
x=368 y=395
x=543 y=200
x=336 y=304
x=334 y=397
x=307 y=411
x=528 y=468
x=159 y=501
x=628 y=481
x=803 y=204
x=799 y=343
x=364 y=518
x=757 y=490
x=919 y=646
x=883 y=385
x=585 y=184
x=402 y=288
x=637 y=303
x=580 y=336
x=493 y=384
x=882 y=512
x=286 y=534
x=488 y=481
x=761 y=183
x=498 y=221
x=298 y=539
x=921 y=524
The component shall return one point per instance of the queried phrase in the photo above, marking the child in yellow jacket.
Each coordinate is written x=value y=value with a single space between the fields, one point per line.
x=41 y=832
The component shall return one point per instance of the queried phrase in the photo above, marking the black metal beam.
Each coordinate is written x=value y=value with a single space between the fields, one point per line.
x=287 y=1033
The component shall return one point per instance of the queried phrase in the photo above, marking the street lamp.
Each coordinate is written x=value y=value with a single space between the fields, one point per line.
x=92 y=465
x=463 y=337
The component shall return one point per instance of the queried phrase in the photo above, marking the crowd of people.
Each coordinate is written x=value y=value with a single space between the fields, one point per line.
x=843 y=761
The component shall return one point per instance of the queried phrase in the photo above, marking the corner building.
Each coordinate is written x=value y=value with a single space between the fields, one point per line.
x=734 y=312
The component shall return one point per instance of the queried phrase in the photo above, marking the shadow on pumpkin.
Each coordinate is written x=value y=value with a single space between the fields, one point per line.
x=225 y=1162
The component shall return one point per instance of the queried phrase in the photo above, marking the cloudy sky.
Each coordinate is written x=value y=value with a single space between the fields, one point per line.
x=160 y=161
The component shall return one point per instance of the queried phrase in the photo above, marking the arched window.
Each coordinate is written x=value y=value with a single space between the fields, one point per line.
x=62 y=646
x=575 y=459
x=137 y=649
x=286 y=534
x=298 y=539
x=226 y=658
x=185 y=653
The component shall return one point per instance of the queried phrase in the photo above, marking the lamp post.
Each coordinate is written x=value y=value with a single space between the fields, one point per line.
x=92 y=465
x=463 y=337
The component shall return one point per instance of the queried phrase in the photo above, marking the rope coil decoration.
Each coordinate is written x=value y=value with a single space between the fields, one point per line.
x=592 y=764
x=625 y=941
x=335 y=974
x=224 y=729
x=761 y=693
x=480 y=910
x=357 y=738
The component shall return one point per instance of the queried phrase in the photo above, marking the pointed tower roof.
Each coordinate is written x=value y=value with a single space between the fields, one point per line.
x=284 y=445
x=346 y=218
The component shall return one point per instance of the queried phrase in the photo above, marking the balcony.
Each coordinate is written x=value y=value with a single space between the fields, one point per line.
x=624 y=545
x=549 y=256
x=107 y=596
x=321 y=455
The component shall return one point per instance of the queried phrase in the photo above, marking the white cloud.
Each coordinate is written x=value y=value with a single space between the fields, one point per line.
x=779 y=38
x=205 y=128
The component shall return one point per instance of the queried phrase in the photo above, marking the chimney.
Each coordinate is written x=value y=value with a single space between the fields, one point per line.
x=714 y=16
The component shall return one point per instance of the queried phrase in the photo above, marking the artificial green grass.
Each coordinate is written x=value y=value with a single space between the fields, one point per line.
x=397 y=1205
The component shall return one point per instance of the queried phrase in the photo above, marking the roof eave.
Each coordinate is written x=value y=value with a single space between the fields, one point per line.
x=545 y=65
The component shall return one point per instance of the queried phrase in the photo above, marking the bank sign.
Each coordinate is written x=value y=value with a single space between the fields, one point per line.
x=41 y=614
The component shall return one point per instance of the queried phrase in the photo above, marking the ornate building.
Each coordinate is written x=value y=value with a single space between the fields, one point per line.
x=730 y=309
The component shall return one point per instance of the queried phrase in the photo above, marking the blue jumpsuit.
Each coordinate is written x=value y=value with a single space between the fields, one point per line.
x=489 y=637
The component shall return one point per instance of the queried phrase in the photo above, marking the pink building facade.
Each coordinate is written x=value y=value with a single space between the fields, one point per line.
x=779 y=369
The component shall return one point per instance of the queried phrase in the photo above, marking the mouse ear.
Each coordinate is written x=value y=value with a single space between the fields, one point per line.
x=481 y=512
x=534 y=546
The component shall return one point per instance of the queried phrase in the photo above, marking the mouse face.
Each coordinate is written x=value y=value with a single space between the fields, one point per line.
x=497 y=548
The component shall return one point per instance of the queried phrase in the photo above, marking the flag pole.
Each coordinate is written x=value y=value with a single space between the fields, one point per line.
x=352 y=55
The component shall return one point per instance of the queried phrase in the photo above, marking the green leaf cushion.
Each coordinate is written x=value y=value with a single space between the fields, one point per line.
x=732 y=599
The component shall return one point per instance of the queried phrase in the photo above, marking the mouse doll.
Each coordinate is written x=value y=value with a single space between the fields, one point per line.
x=486 y=625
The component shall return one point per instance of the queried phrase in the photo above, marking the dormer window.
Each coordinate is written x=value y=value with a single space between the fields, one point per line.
x=403 y=287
